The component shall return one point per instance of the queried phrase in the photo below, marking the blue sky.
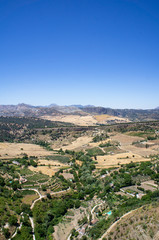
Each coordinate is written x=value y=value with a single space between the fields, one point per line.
x=100 y=52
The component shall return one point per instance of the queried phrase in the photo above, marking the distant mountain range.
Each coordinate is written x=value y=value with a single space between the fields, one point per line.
x=25 y=110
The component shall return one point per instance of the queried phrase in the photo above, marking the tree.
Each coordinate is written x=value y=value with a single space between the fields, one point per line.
x=2 y=182
x=6 y=233
x=48 y=195
x=84 y=238
x=13 y=220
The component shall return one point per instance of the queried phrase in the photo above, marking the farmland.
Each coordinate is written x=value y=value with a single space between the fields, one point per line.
x=66 y=179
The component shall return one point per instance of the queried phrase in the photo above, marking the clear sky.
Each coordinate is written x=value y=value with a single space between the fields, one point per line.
x=99 y=52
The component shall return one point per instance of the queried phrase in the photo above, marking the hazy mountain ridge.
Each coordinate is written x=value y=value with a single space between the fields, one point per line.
x=132 y=114
x=25 y=110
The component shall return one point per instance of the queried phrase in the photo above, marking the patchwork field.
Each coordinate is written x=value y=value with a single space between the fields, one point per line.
x=48 y=167
x=125 y=153
x=88 y=120
x=130 y=152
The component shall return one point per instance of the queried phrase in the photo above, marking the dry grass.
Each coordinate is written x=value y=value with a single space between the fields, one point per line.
x=12 y=150
x=85 y=120
x=104 y=118
x=115 y=160
x=50 y=167
x=78 y=143
x=126 y=144
x=50 y=171
x=67 y=175
x=75 y=119
x=28 y=199
x=139 y=224
x=149 y=185
x=82 y=143
x=125 y=139
x=51 y=162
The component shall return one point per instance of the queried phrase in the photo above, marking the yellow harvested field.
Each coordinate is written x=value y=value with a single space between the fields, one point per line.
x=109 y=161
x=50 y=167
x=87 y=120
x=78 y=143
x=104 y=118
x=75 y=119
x=51 y=162
x=50 y=171
x=12 y=150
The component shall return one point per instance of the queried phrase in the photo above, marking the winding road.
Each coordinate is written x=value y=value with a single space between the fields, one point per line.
x=18 y=228
x=36 y=200
x=32 y=225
